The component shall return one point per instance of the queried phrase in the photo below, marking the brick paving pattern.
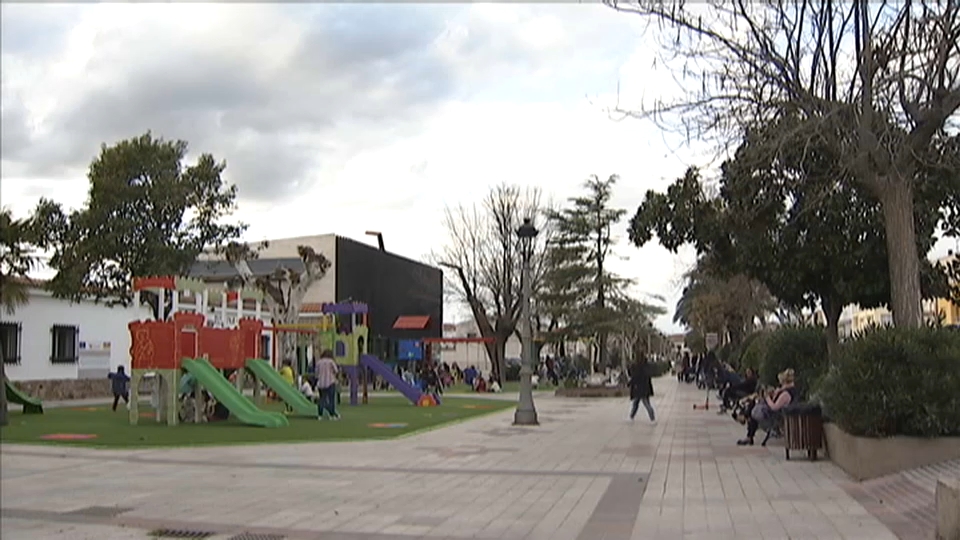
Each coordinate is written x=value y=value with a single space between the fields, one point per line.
x=905 y=502
x=584 y=474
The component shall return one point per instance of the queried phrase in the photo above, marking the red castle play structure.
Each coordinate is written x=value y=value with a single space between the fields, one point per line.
x=166 y=347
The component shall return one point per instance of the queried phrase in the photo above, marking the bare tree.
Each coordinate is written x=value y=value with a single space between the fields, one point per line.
x=483 y=253
x=884 y=75
x=284 y=288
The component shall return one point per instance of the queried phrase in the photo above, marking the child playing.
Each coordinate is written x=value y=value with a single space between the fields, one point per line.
x=118 y=383
x=307 y=390
x=286 y=373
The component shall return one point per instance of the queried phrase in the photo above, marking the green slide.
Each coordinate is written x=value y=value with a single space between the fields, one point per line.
x=285 y=391
x=14 y=395
x=238 y=404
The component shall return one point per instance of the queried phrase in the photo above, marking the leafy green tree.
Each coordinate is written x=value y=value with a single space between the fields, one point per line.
x=562 y=293
x=583 y=243
x=18 y=257
x=147 y=213
x=794 y=222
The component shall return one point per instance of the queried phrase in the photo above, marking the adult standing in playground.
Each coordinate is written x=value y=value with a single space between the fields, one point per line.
x=327 y=371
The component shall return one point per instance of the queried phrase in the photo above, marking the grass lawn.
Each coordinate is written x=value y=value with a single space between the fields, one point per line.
x=384 y=417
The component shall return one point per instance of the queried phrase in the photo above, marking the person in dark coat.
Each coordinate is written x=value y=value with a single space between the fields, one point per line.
x=641 y=389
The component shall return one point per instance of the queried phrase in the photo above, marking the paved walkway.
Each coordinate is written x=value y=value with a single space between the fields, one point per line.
x=584 y=474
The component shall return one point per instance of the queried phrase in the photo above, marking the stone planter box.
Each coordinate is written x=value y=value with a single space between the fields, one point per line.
x=948 y=509
x=864 y=458
x=593 y=392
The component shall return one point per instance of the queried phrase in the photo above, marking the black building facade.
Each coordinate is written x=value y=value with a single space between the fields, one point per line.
x=393 y=287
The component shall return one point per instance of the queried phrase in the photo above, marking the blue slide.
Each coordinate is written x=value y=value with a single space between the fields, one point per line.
x=377 y=366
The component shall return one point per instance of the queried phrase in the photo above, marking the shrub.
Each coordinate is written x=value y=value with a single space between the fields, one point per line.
x=892 y=381
x=737 y=358
x=659 y=368
x=512 y=373
x=754 y=350
x=802 y=348
x=728 y=352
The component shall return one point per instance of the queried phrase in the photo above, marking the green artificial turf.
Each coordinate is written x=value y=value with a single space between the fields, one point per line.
x=113 y=430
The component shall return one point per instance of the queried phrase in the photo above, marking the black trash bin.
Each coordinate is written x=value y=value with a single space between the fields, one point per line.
x=803 y=429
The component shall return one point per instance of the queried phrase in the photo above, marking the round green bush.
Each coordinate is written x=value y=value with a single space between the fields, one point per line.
x=801 y=348
x=891 y=381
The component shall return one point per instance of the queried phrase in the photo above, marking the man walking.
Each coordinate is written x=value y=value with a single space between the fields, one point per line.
x=327 y=370
x=641 y=388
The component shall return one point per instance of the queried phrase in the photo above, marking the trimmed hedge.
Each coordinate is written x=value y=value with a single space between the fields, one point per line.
x=802 y=348
x=891 y=381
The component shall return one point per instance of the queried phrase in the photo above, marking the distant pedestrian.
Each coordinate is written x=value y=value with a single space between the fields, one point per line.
x=641 y=388
x=327 y=371
x=119 y=384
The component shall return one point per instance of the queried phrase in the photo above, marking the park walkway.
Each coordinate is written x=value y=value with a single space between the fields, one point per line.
x=584 y=474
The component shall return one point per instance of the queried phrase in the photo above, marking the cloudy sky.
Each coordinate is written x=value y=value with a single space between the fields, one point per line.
x=345 y=118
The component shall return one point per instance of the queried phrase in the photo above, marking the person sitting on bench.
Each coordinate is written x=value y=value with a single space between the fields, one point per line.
x=737 y=391
x=766 y=413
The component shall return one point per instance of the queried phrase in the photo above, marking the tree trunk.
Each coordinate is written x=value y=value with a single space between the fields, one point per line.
x=288 y=348
x=832 y=307
x=496 y=350
x=904 y=260
x=3 y=390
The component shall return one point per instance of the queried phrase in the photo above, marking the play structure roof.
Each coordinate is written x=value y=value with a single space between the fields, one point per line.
x=411 y=322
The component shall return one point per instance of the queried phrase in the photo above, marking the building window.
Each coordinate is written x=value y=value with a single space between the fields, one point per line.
x=10 y=342
x=64 y=343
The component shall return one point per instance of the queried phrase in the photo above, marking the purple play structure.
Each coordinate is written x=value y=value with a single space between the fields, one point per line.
x=377 y=366
x=349 y=312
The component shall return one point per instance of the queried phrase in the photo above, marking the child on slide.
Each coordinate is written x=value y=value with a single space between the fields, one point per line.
x=286 y=373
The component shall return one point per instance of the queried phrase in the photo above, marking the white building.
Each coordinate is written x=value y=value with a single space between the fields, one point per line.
x=471 y=354
x=54 y=339
x=855 y=319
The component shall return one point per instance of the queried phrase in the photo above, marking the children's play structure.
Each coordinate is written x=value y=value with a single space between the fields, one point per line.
x=30 y=405
x=185 y=342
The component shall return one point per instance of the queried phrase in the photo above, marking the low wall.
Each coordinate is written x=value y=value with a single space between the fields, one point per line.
x=864 y=458
x=593 y=392
x=948 y=509
x=58 y=390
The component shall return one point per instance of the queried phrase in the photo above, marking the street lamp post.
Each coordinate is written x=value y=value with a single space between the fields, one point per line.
x=526 y=414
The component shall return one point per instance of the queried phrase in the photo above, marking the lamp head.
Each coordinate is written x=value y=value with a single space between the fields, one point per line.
x=527 y=230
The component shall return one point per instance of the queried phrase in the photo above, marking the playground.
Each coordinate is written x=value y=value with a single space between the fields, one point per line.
x=198 y=375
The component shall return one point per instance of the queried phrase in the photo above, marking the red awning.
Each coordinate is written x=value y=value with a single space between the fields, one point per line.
x=411 y=322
